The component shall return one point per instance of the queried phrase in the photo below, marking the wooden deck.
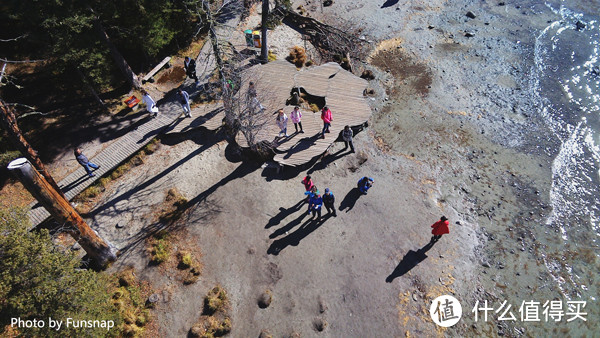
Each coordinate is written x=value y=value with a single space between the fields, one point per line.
x=343 y=93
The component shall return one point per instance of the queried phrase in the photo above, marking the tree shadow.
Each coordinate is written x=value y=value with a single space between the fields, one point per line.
x=350 y=199
x=128 y=194
x=409 y=261
x=295 y=237
x=389 y=3
x=285 y=212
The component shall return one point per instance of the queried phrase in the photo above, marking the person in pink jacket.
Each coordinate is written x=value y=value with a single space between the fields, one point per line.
x=326 y=117
x=296 y=116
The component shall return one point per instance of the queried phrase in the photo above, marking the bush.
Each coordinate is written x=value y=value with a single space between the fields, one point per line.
x=297 y=56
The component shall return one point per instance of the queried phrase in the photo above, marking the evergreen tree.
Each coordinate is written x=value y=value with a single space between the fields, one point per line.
x=37 y=281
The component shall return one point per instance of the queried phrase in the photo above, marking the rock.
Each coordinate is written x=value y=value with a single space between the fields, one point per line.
x=155 y=297
x=119 y=226
x=501 y=4
x=470 y=15
x=264 y=300
x=367 y=74
x=76 y=247
x=579 y=25
x=485 y=264
x=319 y=324
x=265 y=334
x=322 y=306
x=469 y=35
x=414 y=296
x=430 y=27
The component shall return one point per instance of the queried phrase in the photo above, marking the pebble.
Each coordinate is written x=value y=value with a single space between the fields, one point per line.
x=119 y=226
x=470 y=15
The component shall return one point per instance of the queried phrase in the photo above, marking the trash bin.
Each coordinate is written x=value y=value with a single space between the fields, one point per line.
x=249 y=39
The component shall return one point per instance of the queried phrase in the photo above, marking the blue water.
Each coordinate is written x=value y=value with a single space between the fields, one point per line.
x=567 y=84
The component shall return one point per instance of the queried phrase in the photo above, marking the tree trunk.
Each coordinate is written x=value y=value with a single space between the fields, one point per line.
x=130 y=76
x=62 y=211
x=264 y=50
x=9 y=122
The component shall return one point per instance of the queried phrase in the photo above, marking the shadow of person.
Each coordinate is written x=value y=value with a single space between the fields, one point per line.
x=325 y=161
x=350 y=199
x=409 y=261
x=295 y=237
x=285 y=212
x=389 y=3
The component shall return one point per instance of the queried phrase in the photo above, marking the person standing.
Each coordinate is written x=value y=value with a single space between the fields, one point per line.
x=308 y=183
x=314 y=205
x=326 y=117
x=439 y=228
x=347 y=137
x=252 y=99
x=282 y=120
x=150 y=104
x=251 y=91
x=328 y=201
x=364 y=184
x=190 y=68
x=296 y=116
x=85 y=163
x=184 y=99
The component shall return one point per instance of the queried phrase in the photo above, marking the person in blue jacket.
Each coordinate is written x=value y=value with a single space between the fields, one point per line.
x=85 y=163
x=314 y=205
x=364 y=184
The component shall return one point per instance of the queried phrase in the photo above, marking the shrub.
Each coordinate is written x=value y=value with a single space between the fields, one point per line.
x=297 y=56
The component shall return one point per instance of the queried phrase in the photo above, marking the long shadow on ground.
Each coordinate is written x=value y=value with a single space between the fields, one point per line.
x=128 y=194
x=198 y=210
x=285 y=212
x=295 y=237
x=350 y=199
x=409 y=261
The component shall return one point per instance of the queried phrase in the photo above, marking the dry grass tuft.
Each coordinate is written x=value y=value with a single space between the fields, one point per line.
x=297 y=56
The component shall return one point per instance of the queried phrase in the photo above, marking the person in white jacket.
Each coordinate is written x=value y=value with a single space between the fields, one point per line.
x=150 y=104
x=282 y=120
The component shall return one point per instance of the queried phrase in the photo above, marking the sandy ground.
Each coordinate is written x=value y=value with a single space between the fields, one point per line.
x=435 y=146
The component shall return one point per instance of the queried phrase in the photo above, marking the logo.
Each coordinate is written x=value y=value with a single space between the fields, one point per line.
x=445 y=311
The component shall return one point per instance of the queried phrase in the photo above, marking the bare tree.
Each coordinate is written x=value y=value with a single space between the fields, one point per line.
x=242 y=111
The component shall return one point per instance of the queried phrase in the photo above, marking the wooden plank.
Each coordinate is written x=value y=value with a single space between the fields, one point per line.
x=156 y=69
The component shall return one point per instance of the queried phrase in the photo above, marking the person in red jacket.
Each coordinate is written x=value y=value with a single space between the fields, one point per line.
x=326 y=117
x=439 y=228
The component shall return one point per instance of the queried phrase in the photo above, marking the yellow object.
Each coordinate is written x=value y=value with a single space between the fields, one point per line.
x=257 y=40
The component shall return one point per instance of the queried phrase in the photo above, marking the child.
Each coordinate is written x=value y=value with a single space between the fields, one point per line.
x=282 y=120
x=296 y=117
x=326 y=117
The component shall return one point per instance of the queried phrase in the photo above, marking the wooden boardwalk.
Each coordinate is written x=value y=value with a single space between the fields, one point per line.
x=343 y=94
x=169 y=120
